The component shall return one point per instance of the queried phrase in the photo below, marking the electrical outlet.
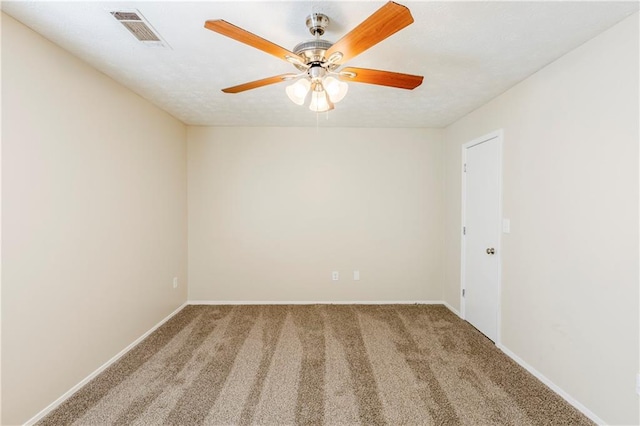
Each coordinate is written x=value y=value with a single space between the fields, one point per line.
x=335 y=275
x=356 y=275
x=175 y=282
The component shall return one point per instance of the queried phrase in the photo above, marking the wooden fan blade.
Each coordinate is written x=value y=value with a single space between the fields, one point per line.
x=244 y=36
x=381 y=78
x=258 y=83
x=389 y=19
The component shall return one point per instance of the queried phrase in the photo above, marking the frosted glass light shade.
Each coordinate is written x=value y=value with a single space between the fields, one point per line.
x=320 y=101
x=297 y=92
x=335 y=88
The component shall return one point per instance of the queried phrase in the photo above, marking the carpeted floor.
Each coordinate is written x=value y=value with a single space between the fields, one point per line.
x=315 y=364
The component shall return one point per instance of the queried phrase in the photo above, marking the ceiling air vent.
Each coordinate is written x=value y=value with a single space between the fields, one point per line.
x=138 y=26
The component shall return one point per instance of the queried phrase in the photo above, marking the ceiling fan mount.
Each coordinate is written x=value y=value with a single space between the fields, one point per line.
x=317 y=23
x=319 y=60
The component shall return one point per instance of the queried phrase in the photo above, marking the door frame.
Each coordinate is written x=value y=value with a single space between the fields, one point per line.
x=497 y=134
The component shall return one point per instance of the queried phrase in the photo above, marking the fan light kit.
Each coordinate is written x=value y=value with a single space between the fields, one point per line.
x=320 y=81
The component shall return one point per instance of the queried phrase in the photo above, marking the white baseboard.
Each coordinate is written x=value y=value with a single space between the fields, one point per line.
x=321 y=302
x=452 y=309
x=551 y=385
x=100 y=369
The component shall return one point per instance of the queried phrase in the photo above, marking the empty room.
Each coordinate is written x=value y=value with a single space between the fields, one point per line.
x=320 y=212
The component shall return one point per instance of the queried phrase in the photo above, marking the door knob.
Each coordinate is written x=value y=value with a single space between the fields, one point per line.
x=491 y=251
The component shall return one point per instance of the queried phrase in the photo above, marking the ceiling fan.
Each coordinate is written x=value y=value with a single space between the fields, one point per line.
x=319 y=60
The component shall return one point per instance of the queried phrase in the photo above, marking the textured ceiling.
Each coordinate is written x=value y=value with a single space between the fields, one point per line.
x=469 y=52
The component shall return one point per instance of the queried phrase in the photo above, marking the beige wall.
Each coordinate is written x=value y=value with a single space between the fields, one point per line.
x=272 y=211
x=94 y=219
x=570 y=264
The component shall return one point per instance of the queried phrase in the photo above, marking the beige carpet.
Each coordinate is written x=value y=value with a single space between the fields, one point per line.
x=315 y=364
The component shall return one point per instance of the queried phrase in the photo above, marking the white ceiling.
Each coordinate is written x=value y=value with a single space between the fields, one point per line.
x=469 y=52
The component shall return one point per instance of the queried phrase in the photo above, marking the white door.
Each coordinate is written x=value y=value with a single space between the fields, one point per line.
x=481 y=233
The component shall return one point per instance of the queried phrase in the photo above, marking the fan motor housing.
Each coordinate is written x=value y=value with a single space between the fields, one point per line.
x=312 y=51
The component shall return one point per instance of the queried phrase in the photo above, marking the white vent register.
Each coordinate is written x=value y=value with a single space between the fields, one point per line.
x=137 y=25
